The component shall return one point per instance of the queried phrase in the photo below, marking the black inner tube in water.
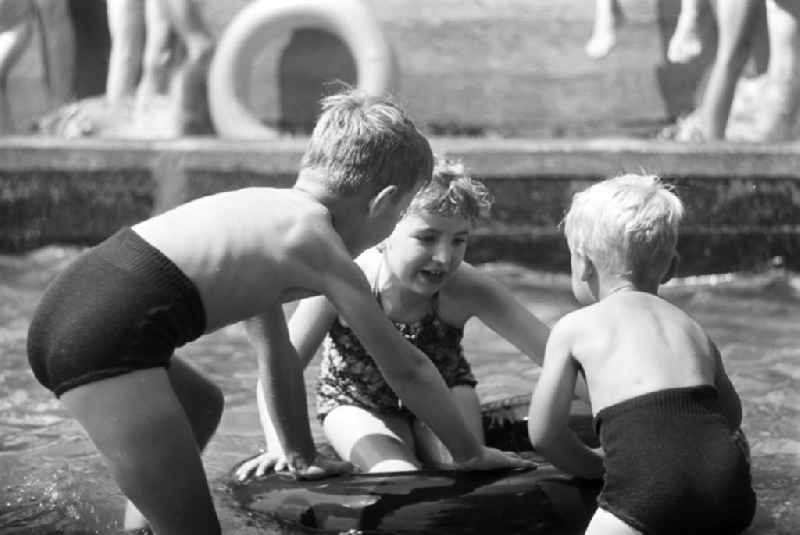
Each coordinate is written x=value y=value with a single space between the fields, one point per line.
x=540 y=500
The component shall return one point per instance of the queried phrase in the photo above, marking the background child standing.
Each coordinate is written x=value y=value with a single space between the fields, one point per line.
x=668 y=417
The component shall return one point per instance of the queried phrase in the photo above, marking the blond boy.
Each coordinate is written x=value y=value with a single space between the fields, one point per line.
x=673 y=457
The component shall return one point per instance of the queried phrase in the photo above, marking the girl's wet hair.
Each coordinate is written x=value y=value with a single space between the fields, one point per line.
x=627 y=225
x=452 y=192
x=363 y=143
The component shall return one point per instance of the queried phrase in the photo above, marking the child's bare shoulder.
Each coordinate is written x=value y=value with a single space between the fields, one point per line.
x=472 y=291
x=468 y=285
x=369 y=260
x=468 y=278
x=578 y=323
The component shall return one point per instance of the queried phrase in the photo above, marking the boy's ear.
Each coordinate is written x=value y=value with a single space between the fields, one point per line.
x=382 y=200
x=586 y=268
x=672 y=270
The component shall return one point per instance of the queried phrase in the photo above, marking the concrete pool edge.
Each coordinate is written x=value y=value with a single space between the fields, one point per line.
x=78 y=191
x=486 y=156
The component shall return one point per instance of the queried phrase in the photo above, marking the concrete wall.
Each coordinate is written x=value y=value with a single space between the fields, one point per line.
x=474 y=67
x=743 y=202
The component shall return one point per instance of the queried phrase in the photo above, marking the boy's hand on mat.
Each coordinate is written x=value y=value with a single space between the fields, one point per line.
x=295 y=465
x=493 y=459
x=257 y=466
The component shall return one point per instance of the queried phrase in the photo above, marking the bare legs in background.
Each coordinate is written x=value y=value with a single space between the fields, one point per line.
x=685 y=43
x=147 y=39
x=57 y=50
x=16 y=21
x=608 y=17
x=783 y=72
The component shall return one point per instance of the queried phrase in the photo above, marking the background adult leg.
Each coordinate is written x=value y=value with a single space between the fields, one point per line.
x=685 y=44
x=159 y=50
x=735 y=23
x=783 y=74
x=608 y=17
x=58 y=54
x=15 y=34
x=126 y=27
x=189 y=87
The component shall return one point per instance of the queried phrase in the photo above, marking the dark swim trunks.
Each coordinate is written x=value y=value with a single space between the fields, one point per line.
x=675 y=464
x=120 y=306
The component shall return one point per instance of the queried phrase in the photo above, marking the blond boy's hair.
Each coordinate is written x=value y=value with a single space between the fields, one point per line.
x=363 y=143
x=627 y=225
x=452 y=191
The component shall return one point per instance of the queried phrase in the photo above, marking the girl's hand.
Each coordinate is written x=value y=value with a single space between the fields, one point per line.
x=294 y=465
x=494 y=459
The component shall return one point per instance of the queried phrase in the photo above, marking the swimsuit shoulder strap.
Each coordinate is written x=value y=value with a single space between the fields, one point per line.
x=435 y=304
x=376 y=275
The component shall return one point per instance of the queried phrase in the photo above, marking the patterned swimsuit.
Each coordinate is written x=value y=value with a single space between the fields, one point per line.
x=349 y=376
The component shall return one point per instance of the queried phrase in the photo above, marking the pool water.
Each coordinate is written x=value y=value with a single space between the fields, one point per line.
x=53 y=481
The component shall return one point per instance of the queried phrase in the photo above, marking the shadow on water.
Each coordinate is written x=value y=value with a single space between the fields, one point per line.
x=53 y=481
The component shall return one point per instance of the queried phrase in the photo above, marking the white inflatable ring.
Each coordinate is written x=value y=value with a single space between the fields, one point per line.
x=241 y=42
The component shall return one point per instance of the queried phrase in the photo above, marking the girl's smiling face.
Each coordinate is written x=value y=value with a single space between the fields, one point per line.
x=426 y=249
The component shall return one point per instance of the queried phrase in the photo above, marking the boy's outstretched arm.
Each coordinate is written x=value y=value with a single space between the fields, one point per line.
x=282 y=404
x=549 y=411
x=408 y=370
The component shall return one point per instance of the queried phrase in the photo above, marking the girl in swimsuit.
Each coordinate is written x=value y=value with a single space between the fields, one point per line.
x=419 y=278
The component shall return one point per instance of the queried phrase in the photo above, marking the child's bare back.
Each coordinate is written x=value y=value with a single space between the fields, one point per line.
x=673 y=457
x=248 y=248
x=632 y=343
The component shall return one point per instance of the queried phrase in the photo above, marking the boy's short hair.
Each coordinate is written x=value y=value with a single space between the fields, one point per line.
x=452 y=191
x=627 y=225
x=363 y=143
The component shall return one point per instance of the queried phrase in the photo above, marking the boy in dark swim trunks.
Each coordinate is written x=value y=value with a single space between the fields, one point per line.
x=673 y=457
x=103 y=335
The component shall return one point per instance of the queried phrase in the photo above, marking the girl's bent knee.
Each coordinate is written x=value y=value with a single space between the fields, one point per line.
x=393 y=465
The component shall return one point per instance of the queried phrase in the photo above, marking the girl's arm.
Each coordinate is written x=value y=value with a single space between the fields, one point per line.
x=493 y=304
x=550 y=406
x=312 y=319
